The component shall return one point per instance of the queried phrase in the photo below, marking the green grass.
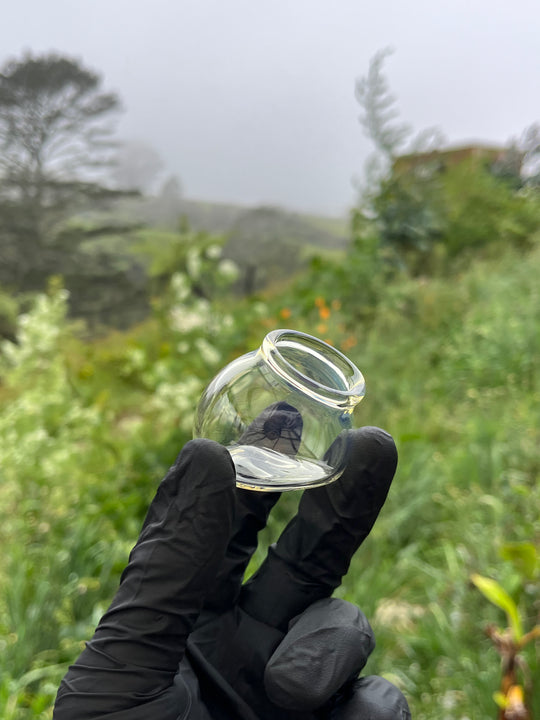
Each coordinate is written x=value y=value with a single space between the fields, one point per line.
x=452 y=372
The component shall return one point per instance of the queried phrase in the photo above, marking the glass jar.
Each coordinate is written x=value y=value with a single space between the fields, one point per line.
x=283 y=411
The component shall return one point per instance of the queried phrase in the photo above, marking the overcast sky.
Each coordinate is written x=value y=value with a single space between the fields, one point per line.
x=252 y=101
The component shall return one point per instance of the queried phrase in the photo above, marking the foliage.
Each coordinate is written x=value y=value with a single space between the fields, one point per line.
x=340 y=292
x=55 y=138
x=429 y=208
x=433 y=219
x=515 y=687
x=88 y=427
x=482 y=210
x=267 y=242
x=410 y=216
x=9 y=308
x=436 y=299
x=379 y=112
x=498 y=596
x=529 y=150
x=86 y=431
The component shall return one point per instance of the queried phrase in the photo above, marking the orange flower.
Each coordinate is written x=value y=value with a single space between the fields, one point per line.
x=319 y=301
x=349 y=342
x=324 y=312
x=515 y=703
x=285 y=313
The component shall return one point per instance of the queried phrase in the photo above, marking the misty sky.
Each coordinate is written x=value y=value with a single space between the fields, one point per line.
x=252 y=101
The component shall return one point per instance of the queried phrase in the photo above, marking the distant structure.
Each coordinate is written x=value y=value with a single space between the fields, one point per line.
x=443 y=159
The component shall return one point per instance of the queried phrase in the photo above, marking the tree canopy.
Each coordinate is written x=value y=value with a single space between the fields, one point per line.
x=56 y=140
x=54 y=125
x=379 y=113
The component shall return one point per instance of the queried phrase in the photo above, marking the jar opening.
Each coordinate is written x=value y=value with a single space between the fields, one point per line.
x=314 y=367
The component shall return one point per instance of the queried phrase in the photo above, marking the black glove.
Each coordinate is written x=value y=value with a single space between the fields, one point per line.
x=183 y=639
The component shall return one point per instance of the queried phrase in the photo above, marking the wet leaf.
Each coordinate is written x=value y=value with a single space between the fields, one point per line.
x=498 y=596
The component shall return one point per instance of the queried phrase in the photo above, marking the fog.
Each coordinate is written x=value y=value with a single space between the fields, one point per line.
x=252 y=101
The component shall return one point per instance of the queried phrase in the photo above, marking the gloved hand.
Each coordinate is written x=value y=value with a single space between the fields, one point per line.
x=184 y=640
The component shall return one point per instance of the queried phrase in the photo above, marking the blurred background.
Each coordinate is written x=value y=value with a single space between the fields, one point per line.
x=177 y=179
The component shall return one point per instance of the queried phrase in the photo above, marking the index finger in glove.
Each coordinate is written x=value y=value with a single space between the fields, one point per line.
x=314 y=551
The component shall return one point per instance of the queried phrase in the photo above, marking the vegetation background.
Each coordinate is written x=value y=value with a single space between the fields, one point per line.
x=123 y=311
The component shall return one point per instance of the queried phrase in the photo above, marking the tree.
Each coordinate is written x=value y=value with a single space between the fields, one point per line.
x=429 y=206
x=137 y=165
x=403 y=206
x=56 y=127
x=379 y=111
x=167 y=205
x=530 y=149
x=265 y=243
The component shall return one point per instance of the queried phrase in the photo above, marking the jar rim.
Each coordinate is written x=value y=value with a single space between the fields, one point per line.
x=353 y=385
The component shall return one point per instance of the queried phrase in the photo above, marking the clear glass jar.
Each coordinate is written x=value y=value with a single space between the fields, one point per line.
x=282 y=412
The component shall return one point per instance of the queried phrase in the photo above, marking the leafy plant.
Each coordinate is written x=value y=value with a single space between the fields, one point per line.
x=89 y=425
x=510 y=642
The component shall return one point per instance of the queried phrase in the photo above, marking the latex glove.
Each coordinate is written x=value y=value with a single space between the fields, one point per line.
x=183 y=639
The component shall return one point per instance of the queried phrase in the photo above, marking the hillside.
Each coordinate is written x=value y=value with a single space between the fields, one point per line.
x=112 y=281
x=112 y=275
x=220 y=218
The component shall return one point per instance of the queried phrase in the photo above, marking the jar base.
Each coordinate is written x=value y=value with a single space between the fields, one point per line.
x=267 y=470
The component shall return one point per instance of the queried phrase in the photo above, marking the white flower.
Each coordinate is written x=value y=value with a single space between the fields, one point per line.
x=208 y=352
x=260 y=309
x=183 y=320
x=228 y=269
x=213 y=252
x=177 y=401
x=181 y=286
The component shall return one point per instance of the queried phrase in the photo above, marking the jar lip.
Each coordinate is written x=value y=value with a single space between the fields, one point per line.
x=347 y=396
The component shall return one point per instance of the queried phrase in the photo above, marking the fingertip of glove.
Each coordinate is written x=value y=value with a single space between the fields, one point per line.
x=208 y=451
x=207 y=463
x=373 y=440
x=372 y=456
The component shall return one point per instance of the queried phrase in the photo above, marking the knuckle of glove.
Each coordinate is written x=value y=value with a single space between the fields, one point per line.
x=326 y=646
